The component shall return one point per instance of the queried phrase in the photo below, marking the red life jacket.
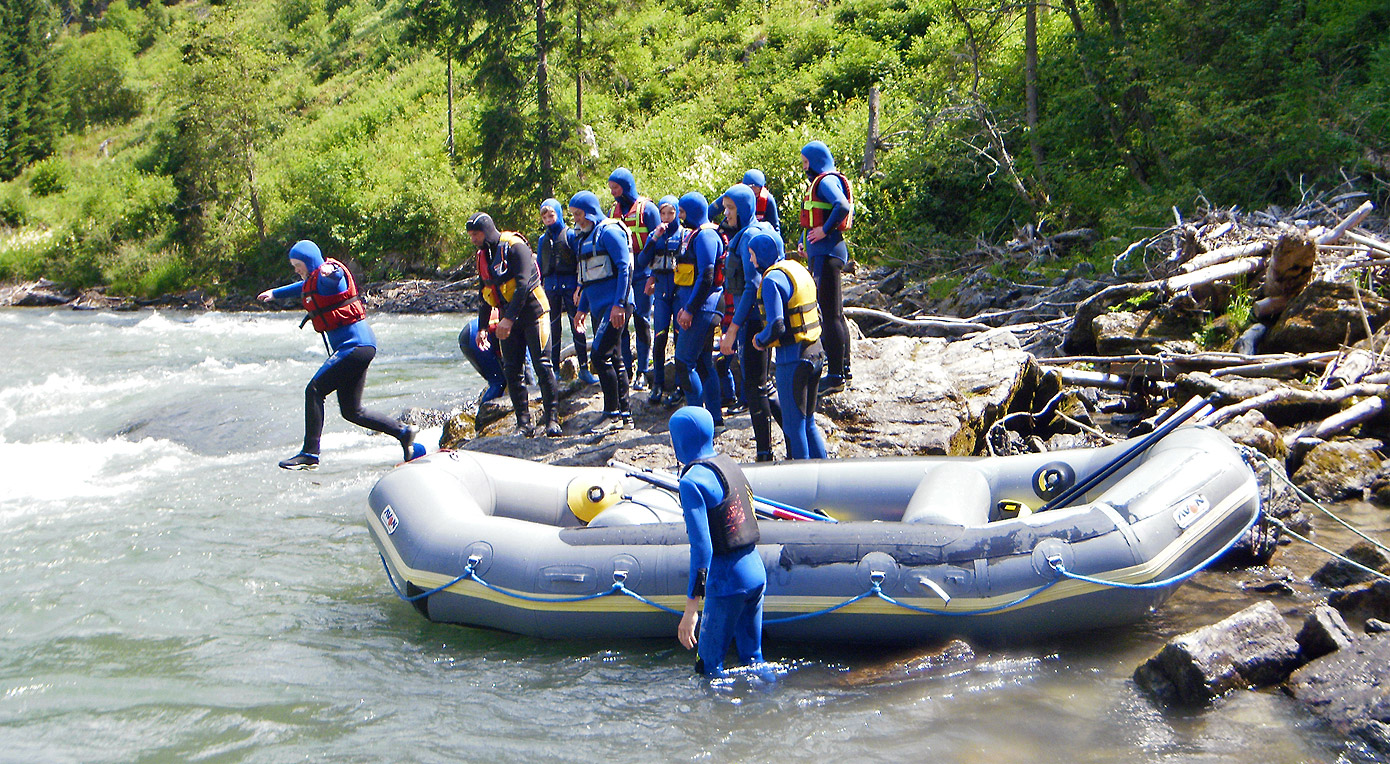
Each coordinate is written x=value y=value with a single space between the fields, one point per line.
x=814 y=211
x=760 y=204
x=633 y=220
x=329 y=312
x=498 y=290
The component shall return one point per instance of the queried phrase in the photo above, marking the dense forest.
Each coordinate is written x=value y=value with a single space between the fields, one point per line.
x=158 y=145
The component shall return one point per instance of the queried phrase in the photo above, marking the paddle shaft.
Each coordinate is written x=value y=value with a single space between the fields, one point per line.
x=1174 y=421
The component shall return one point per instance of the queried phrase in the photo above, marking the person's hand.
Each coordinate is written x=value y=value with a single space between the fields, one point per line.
x=651 y=286
x=757 y=345
x=726 y=343
x=815 y=234
x=483 y=343
x=659 y=230
x=617 y=317
x=581 y=317
x=266 y=296
x=685 y=632
x=504 y=329
x=684 y=319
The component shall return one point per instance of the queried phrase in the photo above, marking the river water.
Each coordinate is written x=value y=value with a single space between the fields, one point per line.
x=169 y=595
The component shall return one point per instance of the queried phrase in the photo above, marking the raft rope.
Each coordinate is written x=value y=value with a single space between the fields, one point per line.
x=1303 y=496
x=875 y=589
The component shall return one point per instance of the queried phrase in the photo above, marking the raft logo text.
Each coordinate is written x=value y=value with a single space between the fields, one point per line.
x=1191 y=509
x=388 y=519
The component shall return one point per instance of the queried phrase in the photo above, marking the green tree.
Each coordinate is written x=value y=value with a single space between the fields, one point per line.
x=92 y=79
x=28 y=123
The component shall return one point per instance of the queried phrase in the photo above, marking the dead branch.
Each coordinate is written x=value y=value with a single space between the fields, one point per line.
x=1293 y=395
x=1351 y=221
x=1225 y=254
x=1361 y=412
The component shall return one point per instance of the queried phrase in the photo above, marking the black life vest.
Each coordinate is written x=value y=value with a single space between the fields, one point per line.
x=556 y=257
x=733 y=526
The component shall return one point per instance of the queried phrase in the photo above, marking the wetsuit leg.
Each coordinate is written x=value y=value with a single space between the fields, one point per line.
x=834 y=328
x=642 y=325
x=606 y=364
x=693 y=357
x=793 y=423
x=537 y=336
x=733 y=619
x=661 y=314
x=514 y=362
x=748 y=631
x=557 y=311
x=806 y=395
x=757 y=387
x=345 y=372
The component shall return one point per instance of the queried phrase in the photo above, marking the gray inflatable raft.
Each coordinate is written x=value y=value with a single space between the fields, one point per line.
x=924 y=548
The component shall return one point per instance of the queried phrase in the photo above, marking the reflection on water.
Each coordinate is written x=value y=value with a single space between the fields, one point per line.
x=169 y=595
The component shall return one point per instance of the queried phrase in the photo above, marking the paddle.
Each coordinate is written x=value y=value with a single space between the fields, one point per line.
x=1165 y=426
x=775 y=510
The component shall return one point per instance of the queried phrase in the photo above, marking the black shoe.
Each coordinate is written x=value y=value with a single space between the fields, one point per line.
x=674 y=399
x=735 y=408
x=553 y=430
x=831 y=384
x=639 y=382
x=655 y=397
x=763 y=456
x=300 y=461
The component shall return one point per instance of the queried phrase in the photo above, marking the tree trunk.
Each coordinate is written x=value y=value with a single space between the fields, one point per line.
x=1030 y=87
x=578 y=66
x=543 y=104
x=449 y=86
x=871 y=142
x=1098 y=89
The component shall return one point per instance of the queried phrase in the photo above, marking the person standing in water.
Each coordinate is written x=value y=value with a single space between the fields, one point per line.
x=329 y=294
x=826 y=213
x=726 y=571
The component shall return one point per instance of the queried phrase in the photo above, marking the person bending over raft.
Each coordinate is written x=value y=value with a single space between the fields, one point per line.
x=560 y=277
x=511 y=284
x=725 y=568
x=605 y=278
x=742 y=279
x=329 y=294
x=641 y=217
x=659 y=256
x=700 y=293
x=826 y=213
x=788 y=299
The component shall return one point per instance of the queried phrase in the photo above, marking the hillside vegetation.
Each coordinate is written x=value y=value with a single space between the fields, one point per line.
x=159 y=146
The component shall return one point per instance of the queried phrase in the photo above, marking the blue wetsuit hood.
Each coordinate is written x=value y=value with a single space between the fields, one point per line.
x=587 y=202
x=669 y=200
x=692 y=434
x=625 y=179
x=754 y=178
x=767 y=251
x=696 y=209
x=820 y=158
x=307 y=252
x=559 y=225
x=745 y=202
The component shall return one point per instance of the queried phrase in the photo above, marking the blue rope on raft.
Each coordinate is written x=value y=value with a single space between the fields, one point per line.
x=875 y=589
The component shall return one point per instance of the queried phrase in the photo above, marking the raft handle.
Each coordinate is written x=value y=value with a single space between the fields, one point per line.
x=619 y=576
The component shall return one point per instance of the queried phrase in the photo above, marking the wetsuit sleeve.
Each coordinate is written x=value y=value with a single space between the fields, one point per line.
x=706 y=247
x=648 y=253
x=288 y=290
x=651 y=218
x=695 y=488
x=332 y=280
x=832 y=192
x=771 y=215
x=752 y=277
x=776 y=290
x=617 y=246
x=520 y=264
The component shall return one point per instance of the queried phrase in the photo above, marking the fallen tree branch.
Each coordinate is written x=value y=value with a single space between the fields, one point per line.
x=940 y=323
x=1349 y=222
x=1361 y=412
x=1293 y=395
x=1225 y=254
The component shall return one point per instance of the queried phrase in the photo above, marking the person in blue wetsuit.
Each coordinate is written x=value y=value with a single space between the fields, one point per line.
x=641 y=217
x=659 y=257
x=560 y=277
x=488 y=363
x=826 y=213
x=793 y=326
x=605 y=289
x=726 y=570
x=699 y=293
x=329 y=294
x=764 y=206
x=742 y=281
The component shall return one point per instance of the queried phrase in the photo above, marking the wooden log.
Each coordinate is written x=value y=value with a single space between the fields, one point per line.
x=1350 y=369
x=1283 y=363
x=1369 y=243
x=1361 y=412
x=1351 y=221
x=1292 y=395
x=1225 y=254
x=937 y=323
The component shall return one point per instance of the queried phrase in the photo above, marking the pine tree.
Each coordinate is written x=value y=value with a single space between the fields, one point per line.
x=28 y=117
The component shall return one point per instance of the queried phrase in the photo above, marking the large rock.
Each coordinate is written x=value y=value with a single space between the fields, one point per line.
x=1324 y=631
x=914 y=396
x=1338 y=470
x=1122 y=332
x=1363 y=601
x=1337 y=573
x=1254 y=430
x=1350 y=689
x=1253 y=648
x=35 y=294
x=1322 y=317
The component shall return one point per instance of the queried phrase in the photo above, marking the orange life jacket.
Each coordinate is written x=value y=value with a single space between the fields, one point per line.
x=814 y=211
x=760 y=204
x=498 y=289
x=633 y=220
x=329 y=312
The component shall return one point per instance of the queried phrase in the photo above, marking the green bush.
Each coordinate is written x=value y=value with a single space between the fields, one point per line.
x=49 y=176
x=14 y=208
x=91 y=78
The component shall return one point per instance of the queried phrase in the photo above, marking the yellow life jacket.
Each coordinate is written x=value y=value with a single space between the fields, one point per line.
x=685 y=258
x=803 y=314
x=498 y=290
